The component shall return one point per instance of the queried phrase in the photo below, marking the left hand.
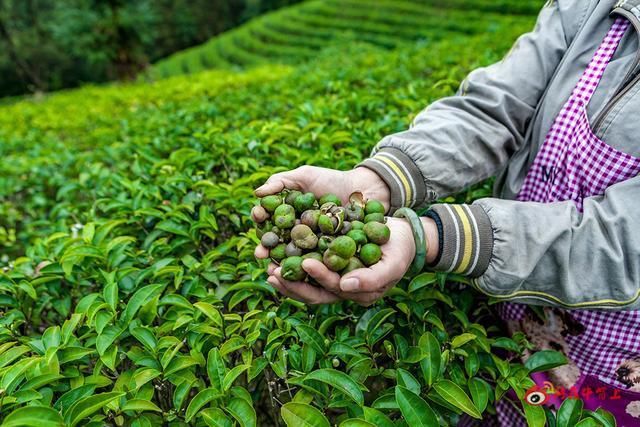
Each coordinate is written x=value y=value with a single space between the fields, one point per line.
x=365 y=285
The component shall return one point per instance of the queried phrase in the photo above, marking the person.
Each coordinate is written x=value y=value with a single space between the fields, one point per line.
x=557 y=121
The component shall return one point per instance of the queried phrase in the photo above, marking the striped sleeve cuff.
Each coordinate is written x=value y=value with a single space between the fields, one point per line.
x=466 y=239
x=400 y=173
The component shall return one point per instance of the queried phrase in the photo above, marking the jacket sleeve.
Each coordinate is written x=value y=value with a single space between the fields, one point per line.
x=463 y=139
x=549 y=253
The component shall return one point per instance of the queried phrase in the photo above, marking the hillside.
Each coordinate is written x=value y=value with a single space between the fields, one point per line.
x=297 y=33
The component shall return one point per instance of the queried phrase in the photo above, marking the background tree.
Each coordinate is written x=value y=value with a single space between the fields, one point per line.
x=46 y=45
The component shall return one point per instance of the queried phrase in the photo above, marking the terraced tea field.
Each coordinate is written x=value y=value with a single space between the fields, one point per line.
x=300 y=32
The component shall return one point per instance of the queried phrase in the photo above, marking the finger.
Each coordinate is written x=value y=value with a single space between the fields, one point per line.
x=273 y=281
x=279 y=181
x=261 y=252
x=367 y=299
x=372 y=279
x=271 y=268
x=330 y=280
x=306 y=292
x=259 y=215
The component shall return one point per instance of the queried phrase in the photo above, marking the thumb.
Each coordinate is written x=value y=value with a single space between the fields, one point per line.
x=278 y=182
x=371 y=279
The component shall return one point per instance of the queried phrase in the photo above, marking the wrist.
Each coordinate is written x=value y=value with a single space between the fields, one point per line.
x=432 y=238
x=371 y=185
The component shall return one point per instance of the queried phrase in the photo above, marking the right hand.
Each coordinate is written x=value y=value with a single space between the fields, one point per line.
x=321 y=181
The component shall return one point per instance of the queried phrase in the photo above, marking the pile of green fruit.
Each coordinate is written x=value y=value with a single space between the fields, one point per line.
x=295 y=226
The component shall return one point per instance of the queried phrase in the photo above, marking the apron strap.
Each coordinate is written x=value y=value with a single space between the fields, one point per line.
x=593 y=73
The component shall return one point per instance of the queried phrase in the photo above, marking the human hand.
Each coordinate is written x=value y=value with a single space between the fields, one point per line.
x=321 y=181
x=364 y=285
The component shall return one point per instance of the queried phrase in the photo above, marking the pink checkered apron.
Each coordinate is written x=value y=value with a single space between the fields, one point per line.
x=574 y=163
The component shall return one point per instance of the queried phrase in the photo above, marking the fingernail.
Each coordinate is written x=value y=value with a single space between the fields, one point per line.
x=348 y=285
x=259 y=189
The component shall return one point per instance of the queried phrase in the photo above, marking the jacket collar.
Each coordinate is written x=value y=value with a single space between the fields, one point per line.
x=631 y=6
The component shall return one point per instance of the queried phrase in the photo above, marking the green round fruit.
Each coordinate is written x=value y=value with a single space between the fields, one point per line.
x=305 y=202
x=333 y=261
x=270 y=203
x=358 y=236
x=291 y=196
x=357 y=225
x=283 y=210
x=292 y=269
x=270 y=240
x=343 y=246
x=327 y=224
x=303 y=237
x=324 y=242
x=330 y=198
x=374 y=217
x=313 y=255
x=284 y=216
x=373 y=206
x=278 y=253
x=354 y=212
x=370 y=254
x=292 y=250
x=377 y=232
x=354 y=264
x=285 y=221
x=346 y=227
x=310 y=218
x=263 y=228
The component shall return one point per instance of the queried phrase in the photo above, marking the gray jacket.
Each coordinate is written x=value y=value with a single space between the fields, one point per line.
x=530 y=252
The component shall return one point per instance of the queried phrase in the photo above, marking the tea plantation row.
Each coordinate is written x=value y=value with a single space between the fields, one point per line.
x=129 y=294
x=295 y=34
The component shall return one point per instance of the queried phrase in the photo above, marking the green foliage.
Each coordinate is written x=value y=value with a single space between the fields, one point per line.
x=129 y=294
x=47 y=45
x=296 y=34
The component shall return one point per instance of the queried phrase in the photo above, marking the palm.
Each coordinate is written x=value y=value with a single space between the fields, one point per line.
x=397 y=255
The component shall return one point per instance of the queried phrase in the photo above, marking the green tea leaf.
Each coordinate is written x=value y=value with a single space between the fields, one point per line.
x=430 y=365
x=569 y=413
x=340 y=381
x=214 y=417
x=302 y=415
x=88 y=406
x=140 y=405
x=453 y=394
x=33 y=416
x=416 y=412
x=231 y=376
x=242 y=411
x=216 y=369
x=545 y=360
x=311 y=337
x=377 y=417
x=202 y=398
x=534 y=415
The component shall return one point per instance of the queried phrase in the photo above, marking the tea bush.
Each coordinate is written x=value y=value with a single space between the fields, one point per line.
x=295 y=34
x=129 y=294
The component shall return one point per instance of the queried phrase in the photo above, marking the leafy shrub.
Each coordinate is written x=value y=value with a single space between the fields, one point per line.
x=294 y=34
x=129 y=294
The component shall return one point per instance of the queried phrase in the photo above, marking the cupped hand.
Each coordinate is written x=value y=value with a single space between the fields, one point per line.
x=364 y=285
x=321 y=181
